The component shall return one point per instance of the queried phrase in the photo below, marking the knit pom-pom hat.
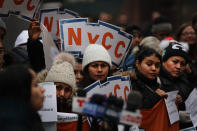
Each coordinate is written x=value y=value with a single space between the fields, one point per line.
x=62 y=70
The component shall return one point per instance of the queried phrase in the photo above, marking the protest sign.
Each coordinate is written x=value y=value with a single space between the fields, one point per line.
x=24 y=8
x=116 y=85
x=76 y=34
x=50 y=19
x=48 y=112
x=191 y=106
x=50 y=49
x=171 y=107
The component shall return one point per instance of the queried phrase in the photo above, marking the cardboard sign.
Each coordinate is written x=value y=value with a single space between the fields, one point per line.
x=48 y=112
x=76 y=34
x=50 y=19
x=25 y=8
x=119 y=86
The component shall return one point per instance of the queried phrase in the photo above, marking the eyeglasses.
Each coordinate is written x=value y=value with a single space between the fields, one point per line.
x=188 y=33
x=1 y=50
x=66 y=89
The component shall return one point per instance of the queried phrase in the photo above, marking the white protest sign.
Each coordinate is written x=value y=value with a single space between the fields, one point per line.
x=50 y=49
x=126 y=87
x=26 y=8
x=93 y=88
x=114 y=86
x=48 y=112
x=171 y=107
x=76 y=34
x=191 y=106
x=50 y=19
x=120 y=86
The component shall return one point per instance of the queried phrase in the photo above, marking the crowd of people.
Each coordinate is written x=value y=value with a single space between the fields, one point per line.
x=163 y=61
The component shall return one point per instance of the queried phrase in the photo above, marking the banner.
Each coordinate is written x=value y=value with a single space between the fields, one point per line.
x=76 y=34
x=119 y=86
x=156 y=119
x=24 y=8
x=50 y=19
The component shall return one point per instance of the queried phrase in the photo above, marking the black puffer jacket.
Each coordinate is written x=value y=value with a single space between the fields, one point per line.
x=147 y=88
x=170 y=83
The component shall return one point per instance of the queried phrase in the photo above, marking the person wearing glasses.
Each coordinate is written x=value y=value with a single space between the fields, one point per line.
x=186 y=33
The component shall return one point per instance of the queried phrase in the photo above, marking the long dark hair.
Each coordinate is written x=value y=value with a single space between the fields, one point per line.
x=15 y=83
x=16 y=112
x=146 y=52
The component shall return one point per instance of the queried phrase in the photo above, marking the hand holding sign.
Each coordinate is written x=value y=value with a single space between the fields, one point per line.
x=50 y=19
x=34 y=30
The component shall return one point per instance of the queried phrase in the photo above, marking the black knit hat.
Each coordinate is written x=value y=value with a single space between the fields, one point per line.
x=174 y=49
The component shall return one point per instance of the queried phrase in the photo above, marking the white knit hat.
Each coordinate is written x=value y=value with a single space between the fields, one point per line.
x=94 y=53
x=62 y=70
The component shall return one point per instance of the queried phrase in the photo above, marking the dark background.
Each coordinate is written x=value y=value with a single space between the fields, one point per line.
x=138 y=11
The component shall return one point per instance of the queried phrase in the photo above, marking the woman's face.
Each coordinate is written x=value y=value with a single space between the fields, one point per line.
x=37 y=93
x=149 y=67
x=98 y=70
x=63 y=90
x=188 y=35
x=175 y=65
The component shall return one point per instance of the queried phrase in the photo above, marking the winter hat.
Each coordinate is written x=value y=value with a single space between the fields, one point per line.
x=174 y=49
x=94 y=53
x=62 y=70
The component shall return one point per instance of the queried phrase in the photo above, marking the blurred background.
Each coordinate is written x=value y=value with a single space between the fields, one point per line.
x=139 y=12
x=117 y=12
